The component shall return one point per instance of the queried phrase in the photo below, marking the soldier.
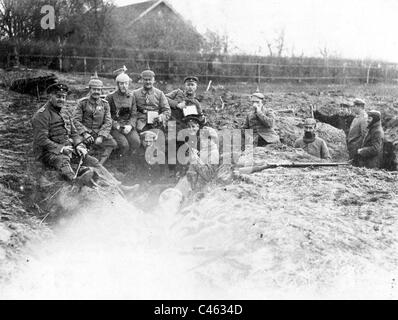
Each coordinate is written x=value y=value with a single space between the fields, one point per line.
x=182 y=104
x=311 y=143
x=370 y=154
x=93 y=120
x=55 y=138
x=124 y=114
x=203 y=150
x=357 y=130
x=152 y=106
x=179 y=100
x=261 y=120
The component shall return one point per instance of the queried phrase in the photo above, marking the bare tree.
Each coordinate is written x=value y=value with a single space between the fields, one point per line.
x=280 y=42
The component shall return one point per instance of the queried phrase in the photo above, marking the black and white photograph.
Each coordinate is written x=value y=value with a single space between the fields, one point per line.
x=198 y=150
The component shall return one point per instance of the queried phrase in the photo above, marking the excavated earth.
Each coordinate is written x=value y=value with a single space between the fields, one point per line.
x=284 y=232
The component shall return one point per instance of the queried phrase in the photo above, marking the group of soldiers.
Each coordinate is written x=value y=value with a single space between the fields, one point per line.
x=126 y=121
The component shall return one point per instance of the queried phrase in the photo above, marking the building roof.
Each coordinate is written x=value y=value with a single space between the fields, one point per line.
x=134 y=12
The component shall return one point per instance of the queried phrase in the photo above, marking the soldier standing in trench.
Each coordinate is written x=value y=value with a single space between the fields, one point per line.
x=261 y=120
x=311 y=143
x=370 y=154
x=92 y=118
x=357 y=130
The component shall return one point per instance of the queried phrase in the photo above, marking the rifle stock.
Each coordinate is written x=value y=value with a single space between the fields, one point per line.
x=252 y=169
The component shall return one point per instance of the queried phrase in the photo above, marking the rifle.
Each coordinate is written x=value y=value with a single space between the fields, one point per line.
x=252 y=169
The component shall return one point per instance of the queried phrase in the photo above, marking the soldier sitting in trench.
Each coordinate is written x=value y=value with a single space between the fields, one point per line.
x=153 y=110
x=261 y=120
x=311 y=143
x=93 y=121
x=56 y=142
x=202 y=147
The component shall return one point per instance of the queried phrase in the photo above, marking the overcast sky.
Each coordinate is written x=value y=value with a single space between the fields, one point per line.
x=350 y=28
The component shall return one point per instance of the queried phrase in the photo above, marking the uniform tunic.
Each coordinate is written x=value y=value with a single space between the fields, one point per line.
x=262 y=124
x=371 y=155
x=94 y=117
x=53 y=129
x=316 y=147
x=149 y=100
x=123 y=112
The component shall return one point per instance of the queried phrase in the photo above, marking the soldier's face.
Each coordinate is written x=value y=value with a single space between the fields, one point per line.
x=95 y=92
x=357 y=109
x=369 y=120
x=192 y=127
x=309 y=128
x=123 y=86
x=58 y=99
x=148 y=82
x=190 y=87
x=256 y=103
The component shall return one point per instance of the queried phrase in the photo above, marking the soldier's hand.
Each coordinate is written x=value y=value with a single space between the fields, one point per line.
x=88 y=137
x=67 y=150
x=81 y=151
x=181 y=105
x=99 y=140
x=127 y=129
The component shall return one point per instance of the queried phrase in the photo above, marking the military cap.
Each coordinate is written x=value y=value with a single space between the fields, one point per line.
x=376 y=115
x=95 y=82
x=148 y=73
x=191 y=79
x=123 y=78
x=148 y=134
x=359 y=102
x=258 y=95
x=199 y=119
x=57 y=87
x=309 y=122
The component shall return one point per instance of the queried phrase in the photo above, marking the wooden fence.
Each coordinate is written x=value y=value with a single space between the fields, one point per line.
x=172 y=69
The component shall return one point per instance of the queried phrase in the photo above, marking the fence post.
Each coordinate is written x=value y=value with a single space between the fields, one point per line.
x=8 y=60
x=385 y=73
x=368 y=73
x=85 y=65
x=258 y=74
x=169 y=68
x=207 y=72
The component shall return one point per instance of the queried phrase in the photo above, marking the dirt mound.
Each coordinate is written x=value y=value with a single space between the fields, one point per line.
x=294 y=228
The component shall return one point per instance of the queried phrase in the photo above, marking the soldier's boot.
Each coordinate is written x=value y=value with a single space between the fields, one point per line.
x=67 y=172
x=85 y=176
x=103 y=158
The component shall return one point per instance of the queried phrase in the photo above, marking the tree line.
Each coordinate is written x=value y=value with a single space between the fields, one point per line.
x=93 y=24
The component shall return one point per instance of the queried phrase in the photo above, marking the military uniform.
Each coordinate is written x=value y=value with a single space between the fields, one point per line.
x=123 y=112
x=263 y=127
x=356 y=135
x=94 y=117
x=149 y=100
x=316 y=147
x=177 y=96
x=54 y=129
x=371 y=151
